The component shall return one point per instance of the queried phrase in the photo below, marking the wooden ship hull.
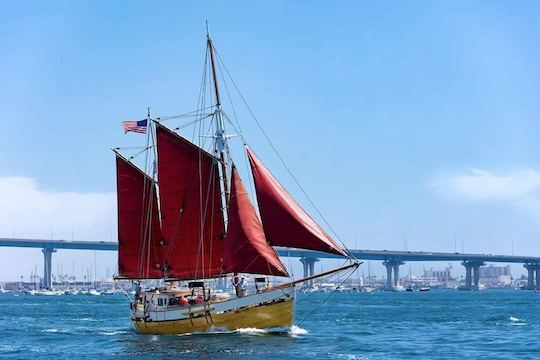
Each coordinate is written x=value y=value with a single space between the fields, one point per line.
x=273 y=308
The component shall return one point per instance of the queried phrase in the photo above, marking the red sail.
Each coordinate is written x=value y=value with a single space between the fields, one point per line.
x=190 y=198
x=285 y=222
x=246 y=249
x=138 y=223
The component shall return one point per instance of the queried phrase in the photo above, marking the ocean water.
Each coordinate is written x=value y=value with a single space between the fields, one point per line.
x=440 y=324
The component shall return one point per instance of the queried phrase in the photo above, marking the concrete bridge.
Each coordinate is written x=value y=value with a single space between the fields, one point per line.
x=391 y=259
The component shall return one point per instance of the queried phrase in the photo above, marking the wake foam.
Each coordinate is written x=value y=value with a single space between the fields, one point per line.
x=111 y=333
x=54 y=330
x=293 y=331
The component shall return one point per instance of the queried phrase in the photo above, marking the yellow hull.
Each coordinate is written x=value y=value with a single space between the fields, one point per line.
x=261 y=316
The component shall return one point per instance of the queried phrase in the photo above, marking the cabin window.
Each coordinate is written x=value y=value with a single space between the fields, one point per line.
x=160 y=302
x=173 y=301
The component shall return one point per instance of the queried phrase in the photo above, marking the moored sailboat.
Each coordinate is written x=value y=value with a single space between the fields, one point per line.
x=191 y=222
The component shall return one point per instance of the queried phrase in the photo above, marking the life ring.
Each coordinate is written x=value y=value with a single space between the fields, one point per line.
x=183 y=301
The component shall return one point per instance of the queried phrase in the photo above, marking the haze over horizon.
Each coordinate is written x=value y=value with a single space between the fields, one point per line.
x=414 y=121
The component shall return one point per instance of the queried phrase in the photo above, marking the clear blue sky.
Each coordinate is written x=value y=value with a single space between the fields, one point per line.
x=417 y=119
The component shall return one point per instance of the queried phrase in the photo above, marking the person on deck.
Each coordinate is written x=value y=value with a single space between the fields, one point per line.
x=235 y=281
x=242 y=286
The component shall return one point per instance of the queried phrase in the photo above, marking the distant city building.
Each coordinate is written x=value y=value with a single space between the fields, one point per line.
x=438 y=275
x=495 y=275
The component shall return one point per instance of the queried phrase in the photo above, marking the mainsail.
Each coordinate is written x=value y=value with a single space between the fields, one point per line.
x=285 y=222
x=246 y=250
x=190 y=199
x=138 y=222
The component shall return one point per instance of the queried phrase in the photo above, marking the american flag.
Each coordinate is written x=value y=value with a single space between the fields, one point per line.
x=135 y=126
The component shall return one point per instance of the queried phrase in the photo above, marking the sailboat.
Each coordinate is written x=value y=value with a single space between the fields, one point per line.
x=187 y=222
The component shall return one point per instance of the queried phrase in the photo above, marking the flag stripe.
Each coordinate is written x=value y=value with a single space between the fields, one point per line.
x=135 y=126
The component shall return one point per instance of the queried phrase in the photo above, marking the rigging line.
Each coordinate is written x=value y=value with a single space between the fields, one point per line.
x=130 y=148
x=203 y=205
x=250 y=180
x=239 y=130
x=143 y=231
x=167 y=118
x=201 y=105
x=193 y=122
x=228 y=94
x=325 y=299
x=149 y=184
x=280 y=158
x=188 y=114
x=143 y=149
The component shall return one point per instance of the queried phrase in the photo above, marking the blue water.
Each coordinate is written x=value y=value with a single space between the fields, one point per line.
x=383 y=325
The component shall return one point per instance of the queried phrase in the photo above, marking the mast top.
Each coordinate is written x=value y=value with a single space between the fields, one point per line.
x=213 y=65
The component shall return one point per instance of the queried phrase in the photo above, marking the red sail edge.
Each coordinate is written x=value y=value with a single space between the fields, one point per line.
x=246 y=250
x=138 y=223
x=285 y=222
x=190 y=199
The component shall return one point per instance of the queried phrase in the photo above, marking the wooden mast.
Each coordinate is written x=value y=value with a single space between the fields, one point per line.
x=220 y=138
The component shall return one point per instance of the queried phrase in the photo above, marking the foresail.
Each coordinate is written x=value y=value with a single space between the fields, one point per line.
x=190 y=199
x=246 y=250
x=285 y=222
x=138 y=223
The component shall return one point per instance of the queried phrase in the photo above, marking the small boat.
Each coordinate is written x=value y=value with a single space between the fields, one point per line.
x=409 y=288
x=366 y=289
x=108 y=292
x=94 y=292
x=2 y=290
x=47 y=292
x=398 y=288
x=71 y=292
x=424 y=288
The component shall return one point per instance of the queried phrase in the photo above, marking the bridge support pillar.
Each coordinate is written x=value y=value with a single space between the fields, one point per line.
x=533 y=273
x=47 y=267
x=309 y=268
x=468 y=275
x=388 y=275
x=392 y=266
x=396 y=274
x=472 y=274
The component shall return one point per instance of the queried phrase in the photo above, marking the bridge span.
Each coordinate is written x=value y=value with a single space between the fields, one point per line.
x=391 y=259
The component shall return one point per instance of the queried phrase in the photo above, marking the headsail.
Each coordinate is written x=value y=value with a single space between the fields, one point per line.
x=285 y=222
x=190 y=198
x=246 y=249
x=138 y=222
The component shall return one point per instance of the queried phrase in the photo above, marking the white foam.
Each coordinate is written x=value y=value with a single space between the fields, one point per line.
x=297 y=330
x=252 y=331
x=53 y=330
x=111 y=333
x=292 y=331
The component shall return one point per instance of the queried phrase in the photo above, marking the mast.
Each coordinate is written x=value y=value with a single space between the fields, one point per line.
x=220 y=138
